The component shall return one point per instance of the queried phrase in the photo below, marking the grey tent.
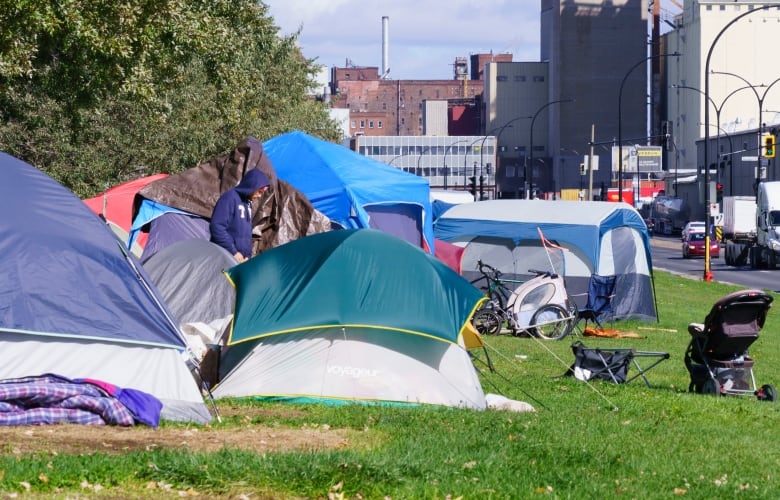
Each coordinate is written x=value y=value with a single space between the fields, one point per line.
x=189 y=276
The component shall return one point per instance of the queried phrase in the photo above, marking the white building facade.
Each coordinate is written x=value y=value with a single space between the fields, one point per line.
x=744 y=80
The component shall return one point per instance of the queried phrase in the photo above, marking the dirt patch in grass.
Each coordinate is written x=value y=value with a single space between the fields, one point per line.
x=252 y=434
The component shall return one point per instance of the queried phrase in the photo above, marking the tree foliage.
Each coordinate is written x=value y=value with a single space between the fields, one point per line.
x=97 y=91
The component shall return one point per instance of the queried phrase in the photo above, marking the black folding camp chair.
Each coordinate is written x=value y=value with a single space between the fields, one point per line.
x=601 y=290
x=611 y=364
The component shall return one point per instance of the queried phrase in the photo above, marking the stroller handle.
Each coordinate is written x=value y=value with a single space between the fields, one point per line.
x=542 y=273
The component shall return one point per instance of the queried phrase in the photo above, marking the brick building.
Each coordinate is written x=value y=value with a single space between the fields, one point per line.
x=379 y=107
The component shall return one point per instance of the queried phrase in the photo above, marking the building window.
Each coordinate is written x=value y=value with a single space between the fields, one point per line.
x=370 y=123
x=384 y=105
x=510 y=171
x=519 y=78
x=353 y=124
x=379 y=124
x=538 y=78
x=362 y=124
x=502 y=78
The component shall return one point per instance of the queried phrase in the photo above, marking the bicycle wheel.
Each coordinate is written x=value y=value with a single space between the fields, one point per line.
x=551 y=322
x=487 y=322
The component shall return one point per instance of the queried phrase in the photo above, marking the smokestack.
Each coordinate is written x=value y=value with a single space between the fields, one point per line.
x=385 y=47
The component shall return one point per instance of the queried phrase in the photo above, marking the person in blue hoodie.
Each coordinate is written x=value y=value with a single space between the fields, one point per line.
x=231 y=220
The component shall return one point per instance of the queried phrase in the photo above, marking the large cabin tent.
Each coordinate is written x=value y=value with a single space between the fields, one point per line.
x=602 y=238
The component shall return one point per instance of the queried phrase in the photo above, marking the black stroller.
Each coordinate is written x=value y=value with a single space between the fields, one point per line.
x=717 y=357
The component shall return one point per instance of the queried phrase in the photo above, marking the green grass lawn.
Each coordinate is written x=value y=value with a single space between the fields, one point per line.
x=584 y=441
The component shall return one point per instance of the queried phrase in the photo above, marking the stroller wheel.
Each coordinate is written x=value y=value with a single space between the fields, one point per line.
x=551 y=322
x=487 y=322
x=767 y=393
x=710 y=386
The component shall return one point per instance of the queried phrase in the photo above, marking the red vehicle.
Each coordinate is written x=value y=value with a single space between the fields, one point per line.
x=693 y=246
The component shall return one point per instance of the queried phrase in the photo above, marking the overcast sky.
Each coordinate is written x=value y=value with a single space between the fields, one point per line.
x=424 y=36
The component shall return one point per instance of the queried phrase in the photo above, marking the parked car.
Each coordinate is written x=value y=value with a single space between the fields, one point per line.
x=690 y=227
x=693 y=246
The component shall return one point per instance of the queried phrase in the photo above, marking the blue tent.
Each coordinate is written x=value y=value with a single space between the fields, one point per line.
x=599 y=237
x=73 y=301
x=353 y=190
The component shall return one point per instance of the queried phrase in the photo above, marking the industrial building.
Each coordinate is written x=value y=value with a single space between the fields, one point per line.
x=614 y=79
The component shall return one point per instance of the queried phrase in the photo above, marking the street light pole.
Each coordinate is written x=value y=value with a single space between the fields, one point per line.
x=446 y=173
x=620 y=118
x=501 y=131
x=718 y=110
x=482 y=149
x=465 y=157
x=422 y=151
x=707 y=270
x=760 y=126
x=526 y=184
x=731 y=153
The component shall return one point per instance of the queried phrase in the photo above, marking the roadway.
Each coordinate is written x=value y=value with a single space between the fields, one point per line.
x=667 y=256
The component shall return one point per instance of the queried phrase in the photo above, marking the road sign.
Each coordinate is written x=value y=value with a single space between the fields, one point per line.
x=586 y=161
x=750 y=158
x=714 y=209
x=638 y=158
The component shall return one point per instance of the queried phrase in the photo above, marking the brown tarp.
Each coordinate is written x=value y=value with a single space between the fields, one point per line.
x=283 y=214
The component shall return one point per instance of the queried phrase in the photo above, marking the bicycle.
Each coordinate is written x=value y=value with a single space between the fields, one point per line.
x=540 y=306
x=492 y=316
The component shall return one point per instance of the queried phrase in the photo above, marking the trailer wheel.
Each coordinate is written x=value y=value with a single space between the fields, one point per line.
x=753 y=257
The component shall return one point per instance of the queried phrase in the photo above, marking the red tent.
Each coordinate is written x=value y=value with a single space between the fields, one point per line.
x=450 y=254
x=116 y=204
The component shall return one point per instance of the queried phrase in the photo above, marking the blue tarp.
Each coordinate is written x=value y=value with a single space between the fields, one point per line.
x=148 y=211
x=350 y=188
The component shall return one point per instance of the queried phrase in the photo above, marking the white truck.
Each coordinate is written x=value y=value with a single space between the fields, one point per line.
x=756 y=242
x=739 y=228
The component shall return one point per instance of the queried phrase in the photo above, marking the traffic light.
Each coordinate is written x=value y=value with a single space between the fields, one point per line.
x=583 y=170
x=667 y=138
x=473 y=186
x=481 y=187
x=769 y=146
x=719 y=192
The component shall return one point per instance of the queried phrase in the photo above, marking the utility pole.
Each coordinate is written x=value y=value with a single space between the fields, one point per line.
x=590 y=162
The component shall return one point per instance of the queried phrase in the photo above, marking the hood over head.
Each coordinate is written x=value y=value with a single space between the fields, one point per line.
x=253 y=180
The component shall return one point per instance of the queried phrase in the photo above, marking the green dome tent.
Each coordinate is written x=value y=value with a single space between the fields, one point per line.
x=351 y=315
